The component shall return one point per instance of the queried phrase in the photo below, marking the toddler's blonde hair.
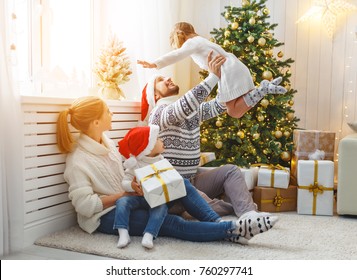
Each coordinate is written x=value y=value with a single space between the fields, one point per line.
x=82 y=112
x=179 y=33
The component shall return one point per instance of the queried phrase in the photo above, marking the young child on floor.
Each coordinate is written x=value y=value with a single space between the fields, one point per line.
x=235 y=82
x=141 y=147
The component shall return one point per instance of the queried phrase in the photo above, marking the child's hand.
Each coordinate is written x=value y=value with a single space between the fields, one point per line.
x=146 y=64
x=136 y=187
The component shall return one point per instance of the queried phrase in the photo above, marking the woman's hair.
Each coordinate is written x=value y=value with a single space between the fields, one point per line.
x=179 y=33
x=82 y=113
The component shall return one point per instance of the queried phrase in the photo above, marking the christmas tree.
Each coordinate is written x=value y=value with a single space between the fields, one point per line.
x=264 y=133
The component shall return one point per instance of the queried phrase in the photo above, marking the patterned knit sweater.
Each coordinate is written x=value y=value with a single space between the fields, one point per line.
x=179 y=123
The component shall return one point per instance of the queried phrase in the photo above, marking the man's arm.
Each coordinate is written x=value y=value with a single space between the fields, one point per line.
x=189 y=104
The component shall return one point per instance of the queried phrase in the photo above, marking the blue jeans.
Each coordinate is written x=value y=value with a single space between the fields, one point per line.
x=126 y=204
x=175 y=226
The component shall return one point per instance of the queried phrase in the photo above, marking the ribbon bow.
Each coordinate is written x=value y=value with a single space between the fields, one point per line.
x=278 y=201
x=156 y=173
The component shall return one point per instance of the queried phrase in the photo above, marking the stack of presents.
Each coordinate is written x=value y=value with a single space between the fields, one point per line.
x=306 y=187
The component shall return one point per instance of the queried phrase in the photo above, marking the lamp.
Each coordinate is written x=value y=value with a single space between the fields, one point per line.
x=327 y=11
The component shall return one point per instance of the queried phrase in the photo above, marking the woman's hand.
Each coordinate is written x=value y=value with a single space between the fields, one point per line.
x=215 y=63
x=146 y=64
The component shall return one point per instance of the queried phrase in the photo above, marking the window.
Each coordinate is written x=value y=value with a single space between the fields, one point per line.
x=56 y=45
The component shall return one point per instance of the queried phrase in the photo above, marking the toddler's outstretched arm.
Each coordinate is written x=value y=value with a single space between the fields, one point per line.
x=146 y=64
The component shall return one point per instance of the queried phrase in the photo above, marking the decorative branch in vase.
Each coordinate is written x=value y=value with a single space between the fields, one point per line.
x=112 y=69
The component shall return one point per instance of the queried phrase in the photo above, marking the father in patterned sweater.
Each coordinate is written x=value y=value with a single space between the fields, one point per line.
x=179 y=120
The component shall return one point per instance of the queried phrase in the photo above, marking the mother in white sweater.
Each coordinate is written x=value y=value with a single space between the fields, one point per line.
x=94 y=173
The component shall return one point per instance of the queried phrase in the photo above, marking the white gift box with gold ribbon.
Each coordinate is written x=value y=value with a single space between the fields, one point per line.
x=315 y=187
x=161 y=183
x=273 y=176
x=206 y=157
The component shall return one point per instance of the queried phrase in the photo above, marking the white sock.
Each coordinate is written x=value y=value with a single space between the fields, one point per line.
x=148 y=240
x=254 y=214
x=248 y=228
x=266 y=87
x=124 y=238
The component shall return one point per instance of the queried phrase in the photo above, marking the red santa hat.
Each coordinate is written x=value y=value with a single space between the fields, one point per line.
x=148 y=100
x=138 y=142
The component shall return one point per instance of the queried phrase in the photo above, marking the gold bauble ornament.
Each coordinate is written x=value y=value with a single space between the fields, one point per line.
x=252 y=21
x=227 y=33
x=261 y=41
x=291 y=102
x=240 y=134
x=285 y=156
x=290 y=116
x=234 y=25
x=256 y=136
x=260 y=118
x=266 y=11
x=286 y=134
x=255 y=58
x=203 y=140
x=250 y=39
x=278 y=134
x=264 y=102
x=265 y=152
x=267 y=75
x=245 y=3
x=259 y=159
x=219 y=144
x=280 y=54
x=227 y=14
x=268 y=53
x=287 y=86
x=218 y=123
x=226 y=43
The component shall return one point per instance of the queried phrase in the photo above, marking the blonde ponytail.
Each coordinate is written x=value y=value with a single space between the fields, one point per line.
x=82 y=113
x=64 y=137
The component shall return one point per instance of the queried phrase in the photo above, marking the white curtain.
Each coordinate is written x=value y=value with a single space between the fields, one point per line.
x=144 y=27
x=11 y=191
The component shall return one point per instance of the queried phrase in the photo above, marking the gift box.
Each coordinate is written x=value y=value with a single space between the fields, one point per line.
x=250 y=175
x=161 y=183
x=275 y=200
x=273 y=176
x=206 y=157
x=315 y=187
x=307 y=142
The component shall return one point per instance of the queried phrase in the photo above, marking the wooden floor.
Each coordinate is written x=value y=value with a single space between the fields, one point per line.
x=45 y=253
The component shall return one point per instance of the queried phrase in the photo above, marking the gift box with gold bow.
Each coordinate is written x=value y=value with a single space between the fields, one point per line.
x=206 y=157
x=161 y=183
x=315 y=187
x=274 y=176
x=307 y=142
x=275 y=200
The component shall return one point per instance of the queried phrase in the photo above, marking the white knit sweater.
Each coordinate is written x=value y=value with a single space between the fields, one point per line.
x=179 y=121
x=93 y=170
x=236 y=79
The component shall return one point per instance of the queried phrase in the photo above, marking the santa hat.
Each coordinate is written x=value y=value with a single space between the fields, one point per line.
x=138 y=142
x=148 y=98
